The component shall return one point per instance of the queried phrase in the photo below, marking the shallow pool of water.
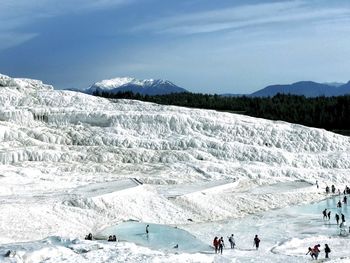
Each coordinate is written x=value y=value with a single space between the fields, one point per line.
x=161 y=237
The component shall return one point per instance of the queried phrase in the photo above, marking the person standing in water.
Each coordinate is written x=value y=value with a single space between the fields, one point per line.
x=339 y=204
x=256 y=242
x=337 y=218
x=342 y=218
x=324 y=212
x=329 y=215
x=147 y=231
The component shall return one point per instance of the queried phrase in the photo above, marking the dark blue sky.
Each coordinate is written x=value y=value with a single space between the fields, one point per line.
x=201 y=45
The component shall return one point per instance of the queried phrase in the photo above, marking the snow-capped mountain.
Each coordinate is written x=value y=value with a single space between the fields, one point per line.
x=147 y=86
x=71 y=163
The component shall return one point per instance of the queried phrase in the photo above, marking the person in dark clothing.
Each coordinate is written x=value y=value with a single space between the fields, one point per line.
x=324 y=212
x=88 y=237
x=256 y=242
x=339 y=204
x=345 y=200
x=147 y=231
x=221 y=244
x=342 y=218
x=110 y=238
x=327 y=250
x=333 y=189
x=327 y=189
x=337 y=218
x=329 y=215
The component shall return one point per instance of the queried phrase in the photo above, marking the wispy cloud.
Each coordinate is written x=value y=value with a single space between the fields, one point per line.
x=14 y=15
x=244 y=16
x=10 y=39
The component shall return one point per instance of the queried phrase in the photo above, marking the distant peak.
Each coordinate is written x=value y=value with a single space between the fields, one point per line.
x=121 y=81
x=145 y=86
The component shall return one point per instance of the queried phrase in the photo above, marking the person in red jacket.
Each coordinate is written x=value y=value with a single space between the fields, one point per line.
x=216 y=244
x=316 y=250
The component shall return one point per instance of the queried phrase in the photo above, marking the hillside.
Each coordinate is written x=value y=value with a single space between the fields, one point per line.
x=69 y=163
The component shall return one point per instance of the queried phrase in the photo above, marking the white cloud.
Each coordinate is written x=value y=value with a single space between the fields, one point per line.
x=245 y=16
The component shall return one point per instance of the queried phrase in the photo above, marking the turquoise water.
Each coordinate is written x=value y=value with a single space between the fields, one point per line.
x=301 y=221
x=315 y=210
x=161 y=237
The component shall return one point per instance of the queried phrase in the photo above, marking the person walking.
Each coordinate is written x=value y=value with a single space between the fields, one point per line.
x=327 y=250
x=221 y=244
x=216 y=244
x=342 y=218
x=324 y=212
x=345 y=200
x=232 y=241
x=256 y=242
x=147 y=231
x=329 y=215
x=337 y=218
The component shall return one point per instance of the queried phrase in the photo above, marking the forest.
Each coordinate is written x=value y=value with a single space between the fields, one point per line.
x=330 y=113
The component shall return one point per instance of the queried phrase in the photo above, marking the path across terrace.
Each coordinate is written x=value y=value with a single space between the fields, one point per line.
x=96 y=189
x=175 y=190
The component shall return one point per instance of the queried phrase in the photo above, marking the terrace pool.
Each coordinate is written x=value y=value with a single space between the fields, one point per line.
x=162 y=237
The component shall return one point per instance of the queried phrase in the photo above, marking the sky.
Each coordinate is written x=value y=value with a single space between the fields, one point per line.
x=201 y=45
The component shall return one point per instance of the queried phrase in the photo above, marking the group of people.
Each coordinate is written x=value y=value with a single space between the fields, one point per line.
x=219 y=243
x=333 y=189
x=327 y=216
x=112 y=238
x=345 y=201
x=315 y=251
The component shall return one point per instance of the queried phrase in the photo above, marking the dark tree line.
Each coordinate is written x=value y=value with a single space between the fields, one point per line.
x=331 y=113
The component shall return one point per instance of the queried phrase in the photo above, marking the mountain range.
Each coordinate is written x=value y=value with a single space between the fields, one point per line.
x=162 y=87
x=306 y=88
